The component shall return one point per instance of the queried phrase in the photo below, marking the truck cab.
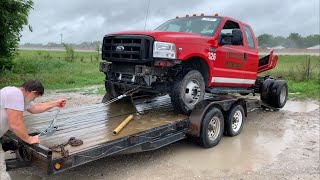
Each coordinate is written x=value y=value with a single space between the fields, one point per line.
x=185 y=58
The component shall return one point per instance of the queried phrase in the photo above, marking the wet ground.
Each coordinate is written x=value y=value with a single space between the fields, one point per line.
x=272 y=145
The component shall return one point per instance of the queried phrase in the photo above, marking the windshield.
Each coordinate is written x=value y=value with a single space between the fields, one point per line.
x=202 y=25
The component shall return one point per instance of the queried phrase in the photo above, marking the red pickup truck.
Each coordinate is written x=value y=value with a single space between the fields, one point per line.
x=188 y=57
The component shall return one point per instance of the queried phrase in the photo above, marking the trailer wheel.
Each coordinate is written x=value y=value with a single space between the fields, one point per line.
x=234 y=120
x=187 y=91
x=266 y=90
x=279 y=94
x=211 y=128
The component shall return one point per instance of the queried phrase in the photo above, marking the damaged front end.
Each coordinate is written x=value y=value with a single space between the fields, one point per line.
x=130 y=63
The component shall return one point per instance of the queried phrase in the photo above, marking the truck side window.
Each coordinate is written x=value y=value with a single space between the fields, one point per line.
x=228 y=27
x=249 y=37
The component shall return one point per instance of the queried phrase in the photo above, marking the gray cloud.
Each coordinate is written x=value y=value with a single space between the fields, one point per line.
x=83 y=20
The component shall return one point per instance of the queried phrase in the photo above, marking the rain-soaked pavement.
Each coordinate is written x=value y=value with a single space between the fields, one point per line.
x=272 y=145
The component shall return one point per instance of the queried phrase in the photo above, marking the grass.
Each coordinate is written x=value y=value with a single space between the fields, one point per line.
x=304 y=90
x=294 y=70
x=36 y=54
x=295 y=67
x=51 y=68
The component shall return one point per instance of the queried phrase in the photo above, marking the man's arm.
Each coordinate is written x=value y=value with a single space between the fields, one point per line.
x=15 y=123
x=42 y=107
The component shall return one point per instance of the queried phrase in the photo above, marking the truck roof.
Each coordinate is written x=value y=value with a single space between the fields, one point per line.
x=215 y=16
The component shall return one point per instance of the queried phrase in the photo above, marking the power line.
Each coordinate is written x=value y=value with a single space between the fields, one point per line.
x=145 y=23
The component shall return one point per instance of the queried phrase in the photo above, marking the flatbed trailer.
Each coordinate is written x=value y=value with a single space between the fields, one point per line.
x=155 y=125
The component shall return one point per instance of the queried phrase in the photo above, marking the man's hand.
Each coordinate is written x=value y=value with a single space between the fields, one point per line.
x=33 y=140
x=60 y=101
x=42 y=107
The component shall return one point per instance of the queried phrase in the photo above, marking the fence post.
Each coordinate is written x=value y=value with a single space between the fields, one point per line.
x=308 y=67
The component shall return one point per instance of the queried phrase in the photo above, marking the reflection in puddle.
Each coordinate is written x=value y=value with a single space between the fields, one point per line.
x=300 y=106
x=250 y=150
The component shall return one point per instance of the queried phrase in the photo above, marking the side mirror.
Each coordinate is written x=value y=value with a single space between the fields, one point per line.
x=225 y=39
x=237 y=37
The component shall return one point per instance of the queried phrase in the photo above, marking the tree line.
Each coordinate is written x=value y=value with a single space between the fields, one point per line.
x=294 y=40
x=83 y=45
x=14 y=17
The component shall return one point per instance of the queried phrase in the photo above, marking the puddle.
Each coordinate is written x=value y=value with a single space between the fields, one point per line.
x=300 y=106
x=249 y=151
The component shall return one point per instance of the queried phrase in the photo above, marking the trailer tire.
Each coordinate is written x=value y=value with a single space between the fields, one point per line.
x=187 y=91
x=212 y=127
x=235 y=118
x=265 y=94
x=279 y=94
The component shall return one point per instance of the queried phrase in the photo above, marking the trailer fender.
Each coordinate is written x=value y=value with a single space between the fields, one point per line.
x=198 y=113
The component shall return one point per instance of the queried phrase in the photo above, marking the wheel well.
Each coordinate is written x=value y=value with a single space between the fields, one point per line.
x=197 y=63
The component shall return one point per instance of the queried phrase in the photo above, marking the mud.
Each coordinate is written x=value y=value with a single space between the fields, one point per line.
x=272 y=145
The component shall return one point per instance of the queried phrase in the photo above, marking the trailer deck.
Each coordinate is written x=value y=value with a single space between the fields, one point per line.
x=94 y=124
x=154 y=126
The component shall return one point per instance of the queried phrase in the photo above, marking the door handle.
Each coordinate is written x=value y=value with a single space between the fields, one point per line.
x=245 y=56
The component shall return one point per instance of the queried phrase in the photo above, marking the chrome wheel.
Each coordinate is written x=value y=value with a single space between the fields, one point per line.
x=192 y=93
x=214 y=128
x=237 y=121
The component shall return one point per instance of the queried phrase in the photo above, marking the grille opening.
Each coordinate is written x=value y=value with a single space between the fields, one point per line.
x=116 y=41
x=127 y=41
x=137 y=41
x=147 y=48
x=115 y=55
x=135 y=56
x=135 y=48
x=108 y=41
x=125 y=56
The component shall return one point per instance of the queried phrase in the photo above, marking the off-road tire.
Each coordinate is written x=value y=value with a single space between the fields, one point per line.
x=204 y=139
x=266 y=90
x=279 y=94
x=179 y=89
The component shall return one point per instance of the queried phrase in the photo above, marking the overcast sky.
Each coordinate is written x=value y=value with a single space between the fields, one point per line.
x=90 y=20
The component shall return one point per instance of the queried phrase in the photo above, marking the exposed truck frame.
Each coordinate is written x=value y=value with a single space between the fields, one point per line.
x=158 y=133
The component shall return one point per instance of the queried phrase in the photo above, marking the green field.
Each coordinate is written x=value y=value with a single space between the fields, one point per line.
x=52 y=69
x=56 y=73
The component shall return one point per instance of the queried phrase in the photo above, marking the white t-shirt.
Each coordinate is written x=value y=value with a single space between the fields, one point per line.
x=10 y=98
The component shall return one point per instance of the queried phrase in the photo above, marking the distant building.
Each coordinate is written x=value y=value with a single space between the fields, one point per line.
x=314 y=47
x=276 y=47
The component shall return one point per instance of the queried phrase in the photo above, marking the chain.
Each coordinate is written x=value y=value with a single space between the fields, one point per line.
x=76 y=142
x=65 y=153
x=125 y=94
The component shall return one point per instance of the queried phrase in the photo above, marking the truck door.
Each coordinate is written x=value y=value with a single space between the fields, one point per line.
x=251 y=64
x=229 y=70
